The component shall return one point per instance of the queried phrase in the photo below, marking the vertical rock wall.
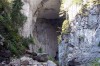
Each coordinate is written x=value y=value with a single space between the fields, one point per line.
x=81 y=45
x=29 y=9
x=34 y=9
x=44 y=33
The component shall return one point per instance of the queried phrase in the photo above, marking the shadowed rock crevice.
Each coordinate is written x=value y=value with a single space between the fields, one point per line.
x=46 y=32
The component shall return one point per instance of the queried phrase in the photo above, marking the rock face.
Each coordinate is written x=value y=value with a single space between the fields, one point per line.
x=30 y=11
x=81 y=45
x=40 y=16
x=48 y=9
x=46 y=36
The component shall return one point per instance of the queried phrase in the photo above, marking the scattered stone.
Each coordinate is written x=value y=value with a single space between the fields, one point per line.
x=1 y=64
x=51 y=63
x=31 y=53
x=73 y=63
x=41 y=57
x=26 y=62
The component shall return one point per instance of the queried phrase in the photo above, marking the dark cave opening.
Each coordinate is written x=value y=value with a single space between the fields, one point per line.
x=46 y=32
x=48 y=28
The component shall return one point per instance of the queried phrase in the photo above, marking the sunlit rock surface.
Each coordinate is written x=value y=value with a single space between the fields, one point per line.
x=81 y=45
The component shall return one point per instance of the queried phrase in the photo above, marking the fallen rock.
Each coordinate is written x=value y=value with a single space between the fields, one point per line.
x=15 y=62
x=26 y=62
x=41 y=57
x=31 y=53
x=1 y=64
x=73 y=63
x=51 y=63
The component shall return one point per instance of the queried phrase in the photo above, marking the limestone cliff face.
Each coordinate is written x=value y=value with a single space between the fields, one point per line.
x=30 y=11
x=34 y=9
x=46 y=36
x=81 y=44
x=40 y=15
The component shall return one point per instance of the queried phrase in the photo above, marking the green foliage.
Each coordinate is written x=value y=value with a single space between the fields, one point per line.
x=10 y=21
x=18 y=18
x=84 y=10
x=95 y=62
x=96 y=2
x=59 y=39
x=81 y=38
x=51 y=58
x=99 y=44
x=40 y=50
x=65 y=27
x=77 y=1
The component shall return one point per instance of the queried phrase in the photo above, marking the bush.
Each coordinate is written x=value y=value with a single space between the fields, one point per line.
x=65 y=27
x=95 y=62
x=11 y=20
x=40 y=50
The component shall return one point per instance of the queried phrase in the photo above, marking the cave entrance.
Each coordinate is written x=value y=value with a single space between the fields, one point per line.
x=45 y=33
x=46 y=28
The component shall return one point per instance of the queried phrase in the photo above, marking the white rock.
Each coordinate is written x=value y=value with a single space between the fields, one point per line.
x=51 y=63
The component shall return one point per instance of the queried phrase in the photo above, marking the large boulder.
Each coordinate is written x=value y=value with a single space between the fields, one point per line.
x=31 y=53
x=51 y=63
x=41 y=57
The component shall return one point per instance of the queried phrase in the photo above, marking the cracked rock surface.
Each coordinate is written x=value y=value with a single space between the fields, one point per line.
x=83 y=39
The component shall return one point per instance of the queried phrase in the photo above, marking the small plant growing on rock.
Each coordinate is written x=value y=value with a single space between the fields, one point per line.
x=40 y=50
x=81 y=38
x=67 y=40
x=99 y=44
x=77 y=1
x=84 y=10
x=51 y=58
x=95 y=62
x=65 y=27
x=59 y=39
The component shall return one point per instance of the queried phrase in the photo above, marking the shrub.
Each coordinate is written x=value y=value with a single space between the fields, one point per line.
x=99 y=44
x=40 y=50
x=77 y=1
x=10 y=21
x=65 y=27
x=95 y=62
